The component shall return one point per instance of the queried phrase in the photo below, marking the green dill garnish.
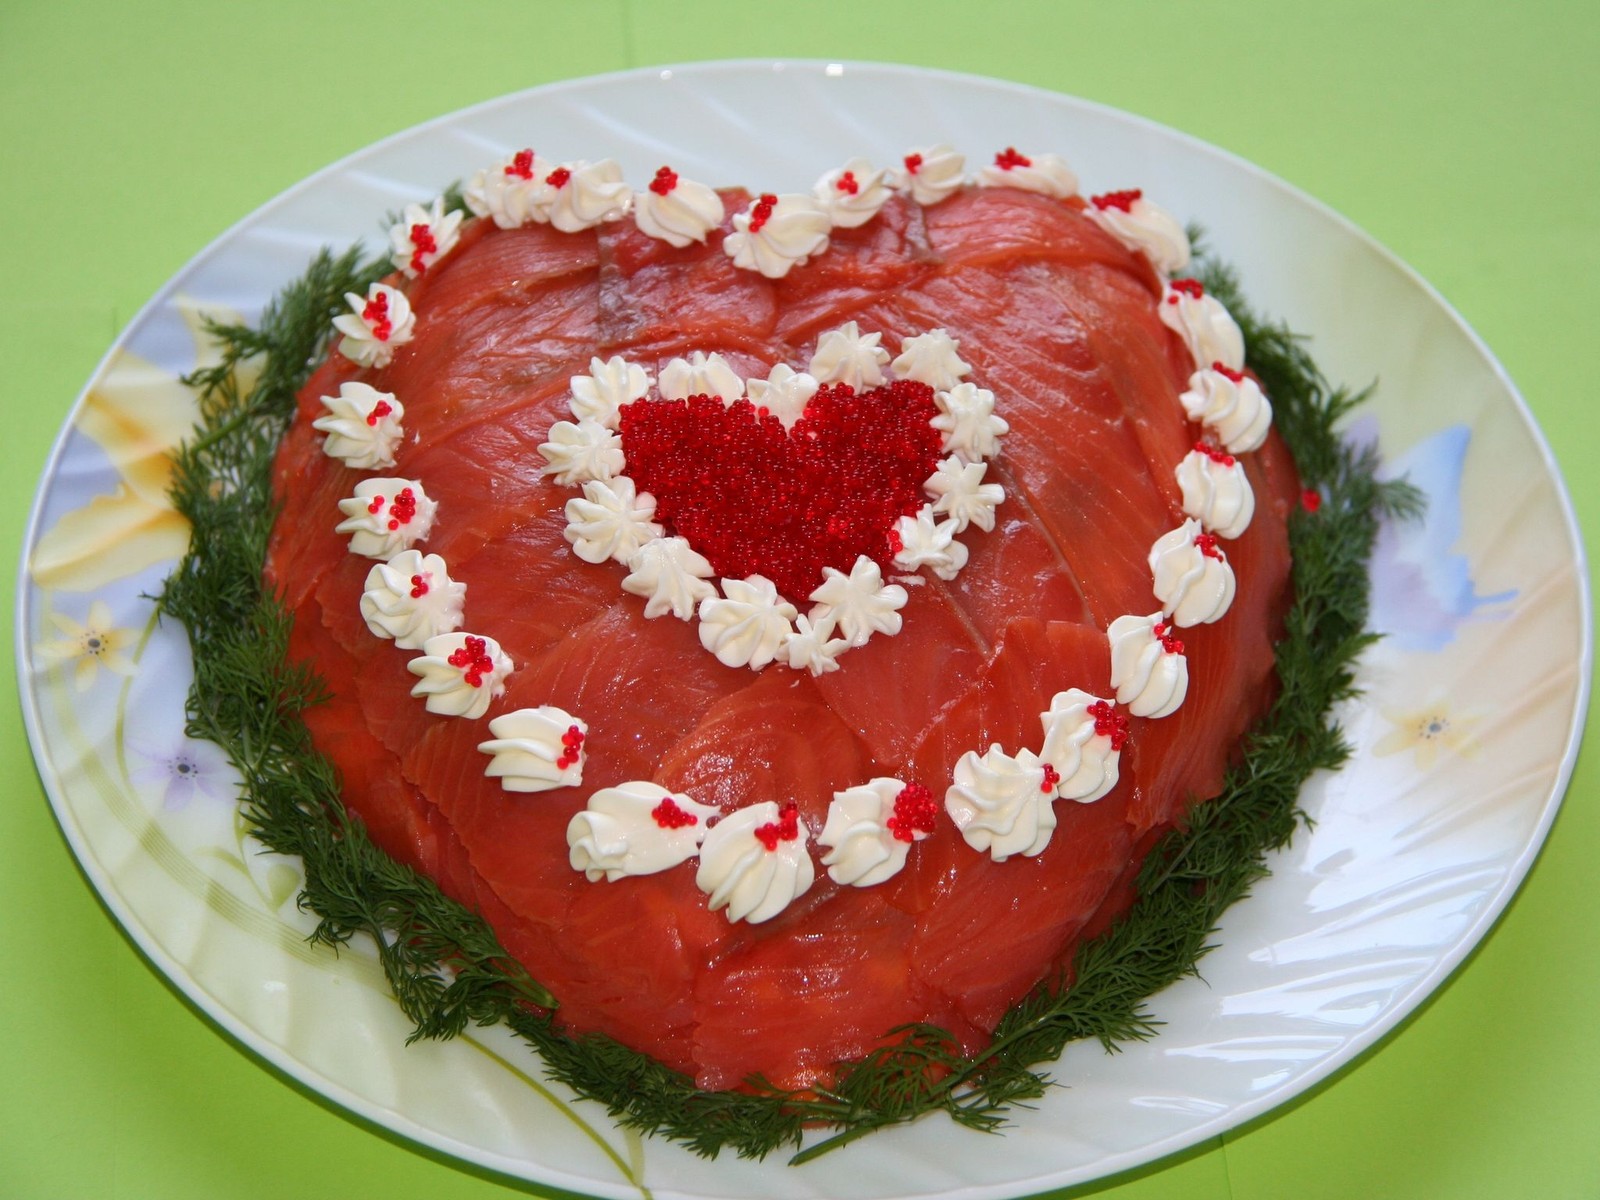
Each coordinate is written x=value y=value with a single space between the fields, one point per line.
x=446 y=966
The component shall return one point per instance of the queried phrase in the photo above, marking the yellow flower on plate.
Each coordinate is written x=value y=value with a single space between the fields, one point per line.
x=138 y=413
x=94 y=644
x=1428 y=732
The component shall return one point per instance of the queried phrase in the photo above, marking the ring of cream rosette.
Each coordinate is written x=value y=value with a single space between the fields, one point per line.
x=755 y=861
x=746 y=622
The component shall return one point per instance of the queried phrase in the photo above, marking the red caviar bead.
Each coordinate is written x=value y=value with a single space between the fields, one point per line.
x=380 y=410
x=847 y=183
x=572 y=746
x=785 y=829
x=375 y=506
x=419 y=586
x=1206 y=543
x=558 y=177
x=404 y=508
x=1311 y=500
x=472 y=659
x=1192 y=288
x=521 y=165
x=1228 y=372
x=1009 y=159
x=666 y=179
x=1169 y=640
x=669 y=815
x=915 y=811
x=913 y=163
x=422 y=245
x=1122 y=200
x=1051 y=778
x=1109 y=723
x=761 y=210
x=376 y=315
x=1215 y=453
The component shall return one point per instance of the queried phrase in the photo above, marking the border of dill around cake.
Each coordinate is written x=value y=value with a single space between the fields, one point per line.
x=447 y=968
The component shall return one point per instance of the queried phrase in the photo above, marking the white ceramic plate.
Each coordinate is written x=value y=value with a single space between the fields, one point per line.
x=1464 y=744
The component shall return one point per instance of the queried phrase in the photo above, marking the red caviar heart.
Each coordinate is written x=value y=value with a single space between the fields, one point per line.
x=756 y=499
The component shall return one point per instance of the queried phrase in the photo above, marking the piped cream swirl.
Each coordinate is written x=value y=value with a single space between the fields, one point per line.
x=375 y=326
x=748 y=624
x=852 y=194
x=1207 y=328
x=701 y=374
x=1085 y=759
x=863 y=849
x=1047 y=174
x=536 y=749
x=577 y=453
x=859 y=603
x=581 y=195
x=754 y=863
x=1232 y=406
x=422 y=237
x=1000 y=802
x=930 y=174
x=968 y=422
x=680 y=212
x=959 y=492
x=846 y=355
x=459 y=674
x=928 y=542
x=1216 y=492
x=511 y=193
x=1148 y=669
x=386 y=516
x=1140 y=225
x=671 y=575
x=774 y=238
x=612 y=519
x=1191 y=575
x=412 y=598
x=635 y=828
x=600 y=395
x=933 y=358
x=362 y=426
x=784 y=393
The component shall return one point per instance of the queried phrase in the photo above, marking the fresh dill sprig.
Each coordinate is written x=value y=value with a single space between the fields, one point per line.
x=448 y=969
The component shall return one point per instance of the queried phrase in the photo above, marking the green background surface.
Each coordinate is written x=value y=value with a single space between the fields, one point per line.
x=1464 y=137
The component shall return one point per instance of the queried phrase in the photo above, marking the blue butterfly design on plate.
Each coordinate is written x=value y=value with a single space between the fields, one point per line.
x=1422 y=590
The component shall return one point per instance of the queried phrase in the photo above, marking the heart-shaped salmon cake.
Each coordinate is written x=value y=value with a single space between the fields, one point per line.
x=973 y=504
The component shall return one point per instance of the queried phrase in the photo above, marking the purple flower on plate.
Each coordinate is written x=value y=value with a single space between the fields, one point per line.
x=190 y=767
